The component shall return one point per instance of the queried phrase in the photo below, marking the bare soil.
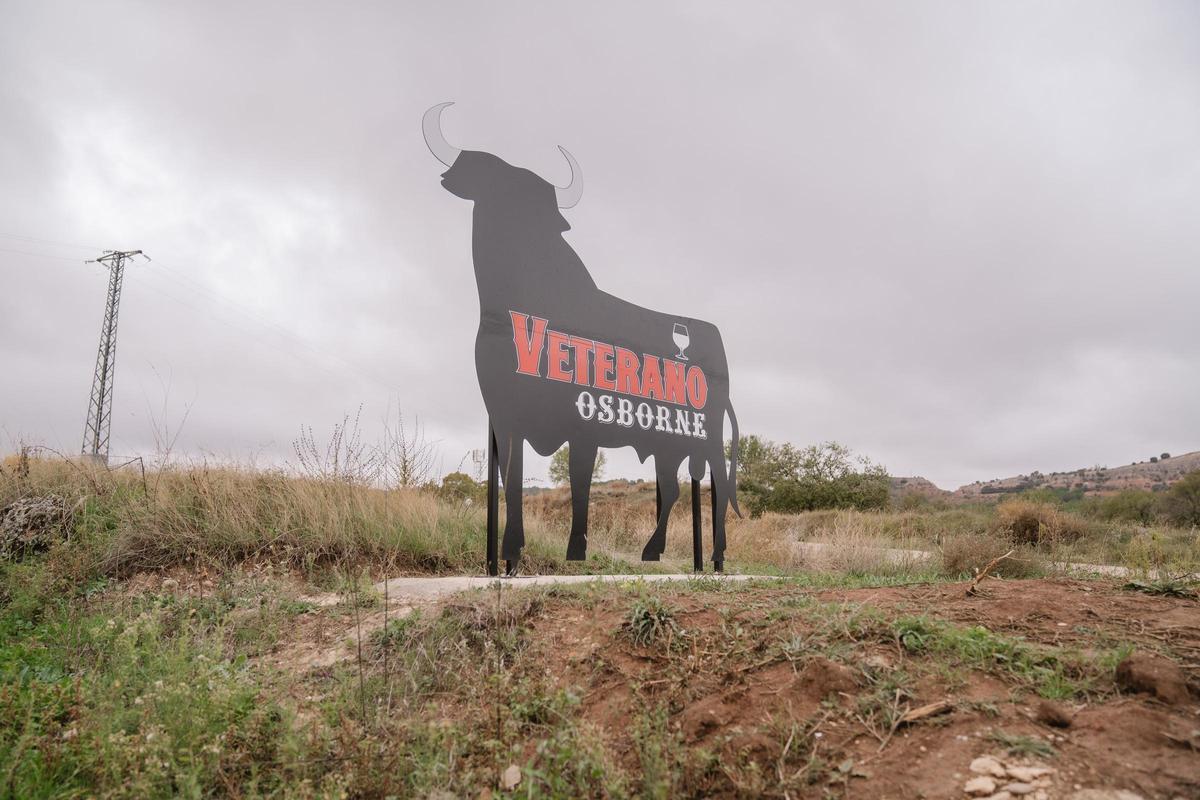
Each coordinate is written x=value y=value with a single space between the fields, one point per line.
x=778 y=690
x=733 y=695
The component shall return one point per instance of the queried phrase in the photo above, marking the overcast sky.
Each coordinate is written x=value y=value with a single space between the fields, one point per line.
x=961 y=238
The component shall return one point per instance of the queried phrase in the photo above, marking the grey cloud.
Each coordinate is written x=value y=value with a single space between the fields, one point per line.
x=959 y=238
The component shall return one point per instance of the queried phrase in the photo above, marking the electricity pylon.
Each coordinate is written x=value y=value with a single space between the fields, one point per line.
x=99 y=419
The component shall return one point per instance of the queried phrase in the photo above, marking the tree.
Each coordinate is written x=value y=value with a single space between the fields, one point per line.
x=458 y=487
x=560 y=466
x=785 y=479
x=1182 y=501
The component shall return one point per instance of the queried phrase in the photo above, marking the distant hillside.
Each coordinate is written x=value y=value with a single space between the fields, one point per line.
x=904 y=486
x=1154 y=474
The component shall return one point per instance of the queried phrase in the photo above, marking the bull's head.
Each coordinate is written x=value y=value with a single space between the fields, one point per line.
x=483 y=177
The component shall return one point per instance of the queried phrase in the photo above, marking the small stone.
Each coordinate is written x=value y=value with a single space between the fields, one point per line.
x=981 y=786
x=1104 y=794
x=999 y=796
x=511 y=777
x=1019 y=788
x=986 y=765
x=1028 y=774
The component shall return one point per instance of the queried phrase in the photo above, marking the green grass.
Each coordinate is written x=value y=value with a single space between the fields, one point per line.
x=114 y=694
x=144 y=702
x=1053 y=672
x=110 y=693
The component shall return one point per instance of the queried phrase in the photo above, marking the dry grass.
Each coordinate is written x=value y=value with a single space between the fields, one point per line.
x=221 y=515
x=970 y=552
x=201 y=514
x=1039 y=524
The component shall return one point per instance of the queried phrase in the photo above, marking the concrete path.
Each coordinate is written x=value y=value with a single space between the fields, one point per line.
x=406 y=595
x=424 y=590
x=815 y=551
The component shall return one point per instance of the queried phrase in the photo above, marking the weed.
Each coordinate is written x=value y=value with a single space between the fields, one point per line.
x=572 y=762
x=135 y=705
x=649 y=621
x=1054 y=673
x=1164 y=587
x=660 y=755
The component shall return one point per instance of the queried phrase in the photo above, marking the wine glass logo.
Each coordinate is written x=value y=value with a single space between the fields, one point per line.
x=680 y=335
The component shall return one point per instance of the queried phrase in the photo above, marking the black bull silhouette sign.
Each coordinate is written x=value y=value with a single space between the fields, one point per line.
x=560 y=361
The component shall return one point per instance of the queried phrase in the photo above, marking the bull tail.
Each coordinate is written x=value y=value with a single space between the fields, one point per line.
x=733 y=458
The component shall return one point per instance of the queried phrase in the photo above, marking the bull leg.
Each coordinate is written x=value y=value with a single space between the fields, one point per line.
x=668 y=487
x=696 y=467
x=510 y=451
x=720 y=501
x=581 y=465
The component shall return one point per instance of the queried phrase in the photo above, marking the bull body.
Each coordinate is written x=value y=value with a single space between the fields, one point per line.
x=523 y=264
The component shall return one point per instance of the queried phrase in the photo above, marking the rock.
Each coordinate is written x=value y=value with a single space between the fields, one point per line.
x=1019 y=788
x=1161 y=677
x=1104 y=794
x=983 y=785
x=999 y=796
x=32 y=524
x=1052 y=714
x=511 y=777
x=878 y=661
x=1028 y=774
x=986 y=765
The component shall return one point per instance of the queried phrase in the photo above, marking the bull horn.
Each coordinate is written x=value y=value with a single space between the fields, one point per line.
x=569 y=195
x=431 y=126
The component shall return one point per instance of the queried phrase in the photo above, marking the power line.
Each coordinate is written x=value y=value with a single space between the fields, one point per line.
x=39 y=255
x=306 y=349
x=233 y=305
x=36 y=240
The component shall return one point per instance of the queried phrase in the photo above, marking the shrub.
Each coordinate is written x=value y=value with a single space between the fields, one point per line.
x=1038 y=524
x=784 y=479
x=970 y=552
x=1130 y=505
x=1181 y=504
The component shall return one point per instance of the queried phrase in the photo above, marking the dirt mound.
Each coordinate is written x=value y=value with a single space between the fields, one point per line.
x=828 y=680
x=771 y=689
x=1155 y=675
